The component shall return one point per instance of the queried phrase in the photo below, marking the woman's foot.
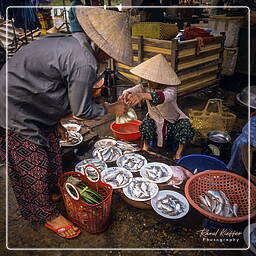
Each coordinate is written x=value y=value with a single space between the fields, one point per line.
x=66 y=228
x=145 y=146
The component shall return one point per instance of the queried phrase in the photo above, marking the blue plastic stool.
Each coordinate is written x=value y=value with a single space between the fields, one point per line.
x=199 y=163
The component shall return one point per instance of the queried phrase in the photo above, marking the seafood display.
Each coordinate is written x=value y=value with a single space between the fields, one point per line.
x=72 y=127
x=117 y=177
x=217 y=202
x=100 y=165
x=170 y=204
x=156 y=172
x=105 y=143
x=107 y=154
x=179 y=175
x=132 y=162
x=74 y=138
x=125 y=146
x=140 y=190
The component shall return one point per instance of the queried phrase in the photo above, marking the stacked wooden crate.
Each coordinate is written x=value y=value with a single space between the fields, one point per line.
x=196 y=70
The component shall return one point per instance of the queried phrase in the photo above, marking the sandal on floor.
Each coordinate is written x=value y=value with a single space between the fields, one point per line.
x=58 y=231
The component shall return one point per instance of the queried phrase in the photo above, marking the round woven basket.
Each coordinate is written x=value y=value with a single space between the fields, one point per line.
x=233 y=185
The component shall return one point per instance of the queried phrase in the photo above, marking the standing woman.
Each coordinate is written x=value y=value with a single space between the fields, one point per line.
x=47 y=80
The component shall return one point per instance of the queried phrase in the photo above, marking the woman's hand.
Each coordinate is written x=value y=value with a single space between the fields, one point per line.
x=118 y=108
x=61 y=132
x=123 y=97
x=134 y=98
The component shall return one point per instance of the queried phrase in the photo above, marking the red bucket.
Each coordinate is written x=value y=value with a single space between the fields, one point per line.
x=128 y=131
x=94 y=218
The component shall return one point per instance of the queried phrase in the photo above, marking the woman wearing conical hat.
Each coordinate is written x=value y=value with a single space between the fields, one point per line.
x=47 y=80
x=165 y=122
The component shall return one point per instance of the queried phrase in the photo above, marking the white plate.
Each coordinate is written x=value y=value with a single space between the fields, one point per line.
x=179 y=196
x=76 y=127
x=153 y=193
x=105 y=143
x=101 y=165
x=118 y=150
x=161 y=180
x=116 y=170
x=67 y=144
x=131 y=155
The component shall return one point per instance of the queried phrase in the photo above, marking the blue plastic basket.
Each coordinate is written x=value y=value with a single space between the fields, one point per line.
x=199 y=163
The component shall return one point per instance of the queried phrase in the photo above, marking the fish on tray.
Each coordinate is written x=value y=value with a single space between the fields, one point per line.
x=156 y=172
x=132 y=162
x=117 y=177
x=107 y=154
x=99 y=164
x=105 y=143
x=125 y=146
x=217 y=202
x=141 y=190
x=170 y=205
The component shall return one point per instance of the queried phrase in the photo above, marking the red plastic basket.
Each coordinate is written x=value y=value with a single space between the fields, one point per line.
x=94 y=218
x=233 y=185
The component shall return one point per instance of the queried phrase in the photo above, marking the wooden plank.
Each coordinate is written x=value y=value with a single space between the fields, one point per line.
x=198 y=73
x=199 y=81
x=198 y=62
x=153 y=42
x=200 y=56
x=121 y=65
x=200 y=76
x=174 y=56
x=152 y=49
x=199 y=67
x=152 y=54
x=182 y=90
x=130 y=76
x=123 y=70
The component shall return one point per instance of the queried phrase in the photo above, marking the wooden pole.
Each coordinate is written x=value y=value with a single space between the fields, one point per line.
x=140 y=51
x=174 y=55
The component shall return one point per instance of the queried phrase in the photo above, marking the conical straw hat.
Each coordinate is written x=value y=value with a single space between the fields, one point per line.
x=109 y=30
x=52 y=30
x=158 y=70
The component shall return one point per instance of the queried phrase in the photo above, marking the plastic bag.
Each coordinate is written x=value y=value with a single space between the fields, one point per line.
x=128 y=117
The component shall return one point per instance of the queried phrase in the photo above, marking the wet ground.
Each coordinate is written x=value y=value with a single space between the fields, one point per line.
x=130 y=227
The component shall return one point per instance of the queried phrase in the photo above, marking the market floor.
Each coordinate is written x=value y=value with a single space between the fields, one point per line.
x=130 y=227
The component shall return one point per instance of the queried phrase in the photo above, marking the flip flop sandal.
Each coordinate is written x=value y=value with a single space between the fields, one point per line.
x=60 y=230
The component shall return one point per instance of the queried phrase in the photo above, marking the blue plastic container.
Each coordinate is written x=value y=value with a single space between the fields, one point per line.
x=199 y=163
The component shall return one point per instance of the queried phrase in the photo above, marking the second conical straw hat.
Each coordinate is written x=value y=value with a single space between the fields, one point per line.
x=158 y=70
x=109 y=30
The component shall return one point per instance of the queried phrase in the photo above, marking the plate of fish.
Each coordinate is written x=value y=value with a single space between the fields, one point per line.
x=105 y=143
x=72 y=127
x=74 y=139
x=170 y=204
x=99 y=164
x=125 y=146
x=132 y=162
x=217 y=202
x=140 y=190
x=156 y=172
x=117 y=177
x=107 y=154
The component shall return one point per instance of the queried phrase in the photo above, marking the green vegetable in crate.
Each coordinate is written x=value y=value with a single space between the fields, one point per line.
x=87 y=194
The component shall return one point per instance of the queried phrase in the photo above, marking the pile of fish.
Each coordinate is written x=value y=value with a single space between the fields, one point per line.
x=170 y=205
x=72 y=139
x=217 y=202
x=107 y=154
x=117 y=177
x=132 y=162
x=125 y=146
x=156 y=171
x=105 y=143
x=142 y=190
x=99 y=164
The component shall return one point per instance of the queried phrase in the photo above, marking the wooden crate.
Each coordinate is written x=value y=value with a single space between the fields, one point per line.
x=195 y=70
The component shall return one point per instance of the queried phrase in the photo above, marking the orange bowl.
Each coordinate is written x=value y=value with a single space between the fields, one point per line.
x=128 y=131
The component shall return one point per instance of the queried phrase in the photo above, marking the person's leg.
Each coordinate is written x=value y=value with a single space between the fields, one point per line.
x=148 y=131
x=29 y=175
x=183 y=133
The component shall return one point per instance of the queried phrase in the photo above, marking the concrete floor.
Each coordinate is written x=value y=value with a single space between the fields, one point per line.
x=130 y=227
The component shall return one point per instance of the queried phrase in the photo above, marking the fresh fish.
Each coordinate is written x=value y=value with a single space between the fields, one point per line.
x=217 y=195
x=120 y=179
x=235 y=210
x=203 y=201
x=208 y=202
x=218 y=208
x=205 y=207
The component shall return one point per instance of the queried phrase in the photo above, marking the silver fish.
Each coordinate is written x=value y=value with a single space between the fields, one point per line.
x=205 y=207
x=235 y=209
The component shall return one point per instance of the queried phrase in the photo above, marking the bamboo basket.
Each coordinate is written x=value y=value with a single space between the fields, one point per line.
x=205 y=121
